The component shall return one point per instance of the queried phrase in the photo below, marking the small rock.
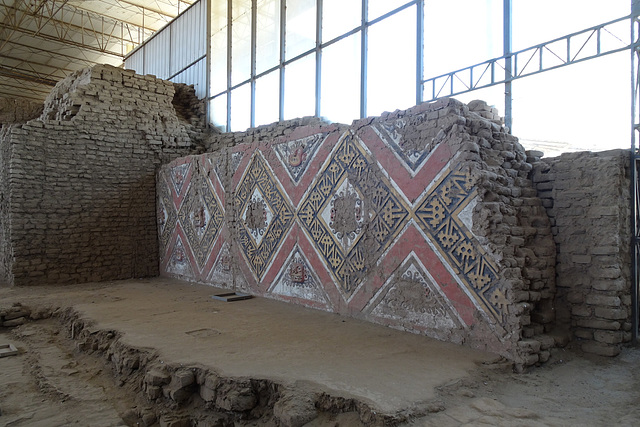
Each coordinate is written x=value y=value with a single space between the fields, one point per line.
x=294 y=411
x=465 y=392
x=130 y=418
x=149 y=419
x=14 y=322
x=156 y=377
x=237 y=397
x=153 y=392
x=174 y=421
x=41 y=313
x=16 y=313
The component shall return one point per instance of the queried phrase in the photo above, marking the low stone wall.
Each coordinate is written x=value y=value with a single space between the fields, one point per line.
x=78 y=183
x=423 y=220
x=587 y=198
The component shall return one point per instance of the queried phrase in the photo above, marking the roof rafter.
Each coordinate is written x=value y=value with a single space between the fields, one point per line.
x=94 y=32
x=42 y=41
x=21 y=75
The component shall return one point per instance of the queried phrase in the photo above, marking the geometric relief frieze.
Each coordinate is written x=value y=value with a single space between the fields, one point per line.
x=413 y=296
x=178 y=263
x=439 y=216
x=413 y=150
x=178 y=177
x=265 y=215
x=296 y=279
x=166 y=215
x=296 y=155
x=202 y=217
x=351 y=213
x=222 y=271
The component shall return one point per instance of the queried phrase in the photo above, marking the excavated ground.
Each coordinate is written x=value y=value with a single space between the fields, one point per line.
x=163 y=352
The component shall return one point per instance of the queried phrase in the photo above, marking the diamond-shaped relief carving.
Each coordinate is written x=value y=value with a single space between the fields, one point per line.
x=296 y=155
x=351 y=213
x=166 y=215
x=178 y=263
x=412 y=296
x=265 y=214
x=201 y=216
x=257 y=216
x=411 y=151
x=296 y=279
x=222 y=271
x=438 y=215
x=343 y=214
x=178 y=177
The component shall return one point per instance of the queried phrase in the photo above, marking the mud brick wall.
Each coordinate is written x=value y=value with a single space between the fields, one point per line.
x=587 y=198
x=5 y=233
x=425 y=220
x=81 y=178
x=14 y=110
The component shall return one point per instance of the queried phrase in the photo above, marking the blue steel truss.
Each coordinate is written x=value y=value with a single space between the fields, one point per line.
x=570 y=49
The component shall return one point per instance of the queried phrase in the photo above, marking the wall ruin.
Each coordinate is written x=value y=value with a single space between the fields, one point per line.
x=423 y=220
x=587 y=198
x=78 y=182
x=14 y=110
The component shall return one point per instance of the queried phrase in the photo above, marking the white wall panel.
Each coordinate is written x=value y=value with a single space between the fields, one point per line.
x=135 y=62
x=157 y=54
x=195 y=75
x=177 y=50
x=188 y=37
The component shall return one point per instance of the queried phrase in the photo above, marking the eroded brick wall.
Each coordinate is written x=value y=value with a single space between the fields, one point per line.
x=82 y=178
x=5 y=200
x=14 y=110
x=587 y=198
x=424 y=220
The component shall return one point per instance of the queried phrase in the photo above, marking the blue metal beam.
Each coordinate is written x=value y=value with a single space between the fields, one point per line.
x=506 y=36
x=483 y=74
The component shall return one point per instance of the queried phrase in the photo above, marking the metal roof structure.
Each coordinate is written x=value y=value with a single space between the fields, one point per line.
x=43 y=41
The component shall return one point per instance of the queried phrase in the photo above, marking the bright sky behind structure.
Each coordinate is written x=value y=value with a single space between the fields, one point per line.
x=583 y=106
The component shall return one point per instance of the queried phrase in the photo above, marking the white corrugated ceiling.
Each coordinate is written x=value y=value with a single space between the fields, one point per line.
x=43 y=41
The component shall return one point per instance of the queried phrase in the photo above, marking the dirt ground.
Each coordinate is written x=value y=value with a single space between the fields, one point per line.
x=116 y=353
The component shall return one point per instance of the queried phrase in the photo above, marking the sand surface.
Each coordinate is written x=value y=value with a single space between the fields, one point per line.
x=431 y=383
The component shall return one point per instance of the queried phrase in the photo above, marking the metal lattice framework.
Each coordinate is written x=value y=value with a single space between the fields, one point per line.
x=43 y=41
x=590 y=43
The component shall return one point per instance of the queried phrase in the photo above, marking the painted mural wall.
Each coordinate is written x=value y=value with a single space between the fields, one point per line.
x=419 y=219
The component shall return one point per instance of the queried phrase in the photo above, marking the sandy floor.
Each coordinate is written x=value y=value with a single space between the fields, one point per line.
x=428 y=382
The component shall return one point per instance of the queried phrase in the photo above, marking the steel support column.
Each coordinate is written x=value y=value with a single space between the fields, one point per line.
x=208 y=65
x=506 y=37
x=364 y=50
x=634 y=164
x=419 y=50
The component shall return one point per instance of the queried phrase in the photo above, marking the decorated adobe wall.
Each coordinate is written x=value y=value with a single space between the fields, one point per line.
x=424 y=220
